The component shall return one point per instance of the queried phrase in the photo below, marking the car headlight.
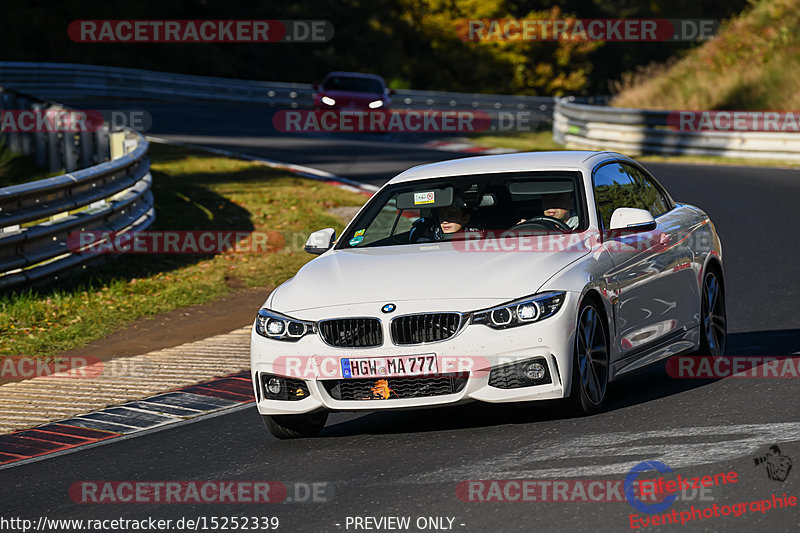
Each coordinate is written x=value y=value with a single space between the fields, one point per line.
x=327 y=100
x=375 y=104
x=519 y=312
x=281 y=327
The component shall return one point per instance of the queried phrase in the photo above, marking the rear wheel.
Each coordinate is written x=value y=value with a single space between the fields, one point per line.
x=714 y=329
x=296 y=426
x=590 y=361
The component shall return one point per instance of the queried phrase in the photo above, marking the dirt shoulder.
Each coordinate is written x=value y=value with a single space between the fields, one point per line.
x=186 y=324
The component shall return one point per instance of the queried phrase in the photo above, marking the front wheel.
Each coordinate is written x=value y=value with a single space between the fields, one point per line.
x=714 y=330
x=590 y=361
x=296 y=426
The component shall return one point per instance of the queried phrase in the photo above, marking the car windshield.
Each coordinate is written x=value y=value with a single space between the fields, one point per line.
x=353 y=84
x=469 y=207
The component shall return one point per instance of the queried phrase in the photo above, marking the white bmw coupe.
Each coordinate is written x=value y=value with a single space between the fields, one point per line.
x=506 y=278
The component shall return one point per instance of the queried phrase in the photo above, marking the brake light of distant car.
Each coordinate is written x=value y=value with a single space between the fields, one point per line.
x=519 y=312
x=281 y=327
x=375 y=104
x=327 y=100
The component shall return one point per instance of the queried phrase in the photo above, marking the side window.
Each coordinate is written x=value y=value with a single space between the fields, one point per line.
x=651 y=196
x=614 y=187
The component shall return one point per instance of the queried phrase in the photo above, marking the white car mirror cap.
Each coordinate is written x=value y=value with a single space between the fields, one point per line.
x=320 y=241
x=629 y=218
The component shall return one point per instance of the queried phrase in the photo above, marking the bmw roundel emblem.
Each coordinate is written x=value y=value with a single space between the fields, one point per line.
x=388 y=308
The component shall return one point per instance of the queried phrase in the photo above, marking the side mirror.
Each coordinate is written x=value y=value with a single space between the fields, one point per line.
x=631 y=219
x=320 y=241
x=392 y=92
x=315 y=86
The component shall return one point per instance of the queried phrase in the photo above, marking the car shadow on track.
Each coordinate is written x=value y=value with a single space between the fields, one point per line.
x=649 y=384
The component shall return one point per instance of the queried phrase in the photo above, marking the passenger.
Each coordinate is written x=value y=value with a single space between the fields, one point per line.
x=559 y=206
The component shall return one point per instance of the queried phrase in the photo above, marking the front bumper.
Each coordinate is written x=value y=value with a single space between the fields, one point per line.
x=471 y=354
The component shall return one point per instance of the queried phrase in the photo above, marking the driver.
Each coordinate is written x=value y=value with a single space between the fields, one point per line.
x=559 y=206
x=453 y=218
x=445 y=222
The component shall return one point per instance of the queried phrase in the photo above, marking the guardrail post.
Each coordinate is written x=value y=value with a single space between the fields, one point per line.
x=25 y=138
x=12 y=137
x=101 y=138
x=2 y=107
x=40 y=149
x=70 y=150
x=87 y=144
x=53 y=153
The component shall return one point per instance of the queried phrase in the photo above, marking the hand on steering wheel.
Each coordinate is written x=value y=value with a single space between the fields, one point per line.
x=543 y=220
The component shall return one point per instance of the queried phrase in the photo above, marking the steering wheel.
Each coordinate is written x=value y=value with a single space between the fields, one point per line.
x=545 y=221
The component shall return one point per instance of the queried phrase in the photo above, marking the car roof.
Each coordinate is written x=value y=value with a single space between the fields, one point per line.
x=354 y=75
x=519 y=162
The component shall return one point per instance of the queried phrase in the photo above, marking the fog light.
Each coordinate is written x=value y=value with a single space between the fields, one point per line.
x=274 y=386
x=275 y=327
x=533 y=371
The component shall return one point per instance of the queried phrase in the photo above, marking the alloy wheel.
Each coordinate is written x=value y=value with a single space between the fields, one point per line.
x=592 y=351
x=714 y=322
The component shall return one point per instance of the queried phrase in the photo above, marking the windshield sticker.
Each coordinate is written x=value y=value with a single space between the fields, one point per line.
x=355 y=240
x=359 y=233
x=423 y=198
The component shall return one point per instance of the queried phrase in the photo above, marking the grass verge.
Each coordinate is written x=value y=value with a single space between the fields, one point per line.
x=527 y=141
x=18 y=168
x=193 y=191
x=753 y=63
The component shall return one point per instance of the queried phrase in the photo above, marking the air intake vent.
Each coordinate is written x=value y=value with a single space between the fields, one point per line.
x=428 y=327
x=400 y=388
x=352 y=332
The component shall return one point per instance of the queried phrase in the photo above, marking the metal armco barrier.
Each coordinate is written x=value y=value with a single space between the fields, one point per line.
x=638 y=131
x=110 y=193
x=65 y=80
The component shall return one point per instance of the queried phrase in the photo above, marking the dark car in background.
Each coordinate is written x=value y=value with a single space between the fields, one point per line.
x=352 y=90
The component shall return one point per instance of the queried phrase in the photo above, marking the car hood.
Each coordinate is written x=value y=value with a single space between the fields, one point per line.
x=417 y=272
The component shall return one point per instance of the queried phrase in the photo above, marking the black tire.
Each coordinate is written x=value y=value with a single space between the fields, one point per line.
x=589 y=388
x=296 y=426
x=713 y=321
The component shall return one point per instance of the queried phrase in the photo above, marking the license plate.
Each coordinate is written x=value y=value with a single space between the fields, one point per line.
x=382 y=367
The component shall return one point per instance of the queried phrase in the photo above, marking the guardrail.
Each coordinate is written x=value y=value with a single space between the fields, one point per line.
x=637 y=131
x=65 y=80
x=112 y=194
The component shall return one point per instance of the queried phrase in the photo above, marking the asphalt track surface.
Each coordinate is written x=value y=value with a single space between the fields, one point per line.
x=410 y=463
